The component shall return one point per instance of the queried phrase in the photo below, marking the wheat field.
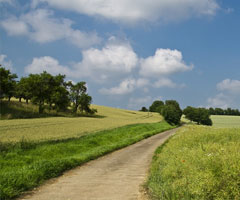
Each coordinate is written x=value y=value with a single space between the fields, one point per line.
x=53 y=128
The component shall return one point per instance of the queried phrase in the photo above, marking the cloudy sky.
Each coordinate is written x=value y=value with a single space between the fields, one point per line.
x=130 y=53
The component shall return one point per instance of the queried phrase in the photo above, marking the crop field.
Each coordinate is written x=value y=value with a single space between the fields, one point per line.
x=53 y=128
x=197 y=163
x=221 y=121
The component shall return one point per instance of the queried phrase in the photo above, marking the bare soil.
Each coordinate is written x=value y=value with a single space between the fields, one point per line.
x=116 y=176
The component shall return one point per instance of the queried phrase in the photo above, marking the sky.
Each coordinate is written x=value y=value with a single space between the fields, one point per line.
x=130 y=53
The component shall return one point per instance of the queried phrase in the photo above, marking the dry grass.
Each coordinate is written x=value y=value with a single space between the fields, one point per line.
x=54 y=128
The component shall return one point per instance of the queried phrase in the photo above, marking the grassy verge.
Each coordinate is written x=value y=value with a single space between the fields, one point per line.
x=197 y=163
x=25 y=165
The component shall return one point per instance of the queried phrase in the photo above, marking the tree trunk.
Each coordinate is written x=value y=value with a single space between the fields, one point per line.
x=9 y=98
x=40 y=108
x=20 y=99
x=27 y=101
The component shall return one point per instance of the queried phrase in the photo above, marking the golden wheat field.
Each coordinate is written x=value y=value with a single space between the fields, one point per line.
x=41 y=129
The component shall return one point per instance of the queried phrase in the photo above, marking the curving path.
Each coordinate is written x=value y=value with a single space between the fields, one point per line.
x=116 y=176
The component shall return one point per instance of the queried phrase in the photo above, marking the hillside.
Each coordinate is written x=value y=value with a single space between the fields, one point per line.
x=53 y=128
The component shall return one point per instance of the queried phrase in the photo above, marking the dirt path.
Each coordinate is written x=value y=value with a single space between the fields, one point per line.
x=116 y=176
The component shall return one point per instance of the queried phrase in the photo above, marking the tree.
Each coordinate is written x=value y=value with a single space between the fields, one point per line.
x=144 y=109
x=23 y=89
x=156 y=106
x=7 y=83
x=198 y=115
x=79 y=98
x=172 y=112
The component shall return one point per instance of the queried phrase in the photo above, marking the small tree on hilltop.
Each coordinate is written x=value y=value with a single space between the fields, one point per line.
x=156 y=106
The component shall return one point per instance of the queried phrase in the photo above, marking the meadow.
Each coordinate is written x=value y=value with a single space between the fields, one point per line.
x=25 y=165
x=221 y=121
x=54 y=128
x=198 y=163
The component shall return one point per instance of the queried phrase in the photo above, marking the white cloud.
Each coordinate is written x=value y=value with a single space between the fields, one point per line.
x=164 y=62
x=137 y=103
x=164 y=82
x=125 y=87
x=41 y=26
x=7 y=64
x=48 y=64
x=112 y=60
x=219 y=101
x=228 y=85
x=133 y=11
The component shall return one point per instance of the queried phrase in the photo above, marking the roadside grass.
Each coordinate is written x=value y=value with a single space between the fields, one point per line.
x=25 y=165
x=222 y=121
x=197 y=163
x=55 y=128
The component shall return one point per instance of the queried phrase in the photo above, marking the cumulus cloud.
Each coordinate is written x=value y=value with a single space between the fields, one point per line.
x=229 y=95
x=114 y=59
x=7 y=64
x=219 y=101
x=164 y=82
x=135 y=11
x=137 y=103
x=164 y=62
x=228 y=85
x=41 y=26
x=48 y=64
x=125 y=87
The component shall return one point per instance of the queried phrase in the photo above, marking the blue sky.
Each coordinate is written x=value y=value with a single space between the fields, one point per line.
x=130 y=53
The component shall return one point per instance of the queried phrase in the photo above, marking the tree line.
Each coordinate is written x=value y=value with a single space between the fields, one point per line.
x=228 y=111
x=45 y=89
x=172 y=112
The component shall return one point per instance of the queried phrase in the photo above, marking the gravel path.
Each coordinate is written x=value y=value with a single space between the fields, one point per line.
x=116 y=176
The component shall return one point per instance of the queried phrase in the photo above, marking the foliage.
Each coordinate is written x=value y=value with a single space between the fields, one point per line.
x=220 y=111
x=79 y=98
x=7 y=83
x=156 y=106
x=198 y=115
x=26 y=165
x=197 y=163
x=144 y=109
x=172 y=112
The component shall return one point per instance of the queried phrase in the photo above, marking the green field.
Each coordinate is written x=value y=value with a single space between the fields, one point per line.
x=197 y=163
x=52 y=128
x=26 y=165
x=221 y=121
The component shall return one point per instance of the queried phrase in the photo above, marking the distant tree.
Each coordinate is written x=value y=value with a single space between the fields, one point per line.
x=41 y=89
x=172 y=112
x=156 y=106
x=23 y=89
x=80 y=99
x=144 y=109
x=7 y=83
x=198 y=115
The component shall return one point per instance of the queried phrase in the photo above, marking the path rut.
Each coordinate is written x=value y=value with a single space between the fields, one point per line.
x=116 y=176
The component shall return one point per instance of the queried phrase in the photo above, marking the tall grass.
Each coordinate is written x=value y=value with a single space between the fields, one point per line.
x=197 y=163
x=25 y=165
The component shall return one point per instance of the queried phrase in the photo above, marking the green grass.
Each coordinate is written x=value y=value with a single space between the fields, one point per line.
x=222 y=121
x=25 y=165
x=54 y=128
x=197 y=163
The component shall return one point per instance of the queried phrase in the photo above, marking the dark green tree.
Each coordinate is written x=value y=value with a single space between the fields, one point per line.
x=80 y=99
x=172 y=112
x=144 y=109
x=7 y=83
x=156 y=106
